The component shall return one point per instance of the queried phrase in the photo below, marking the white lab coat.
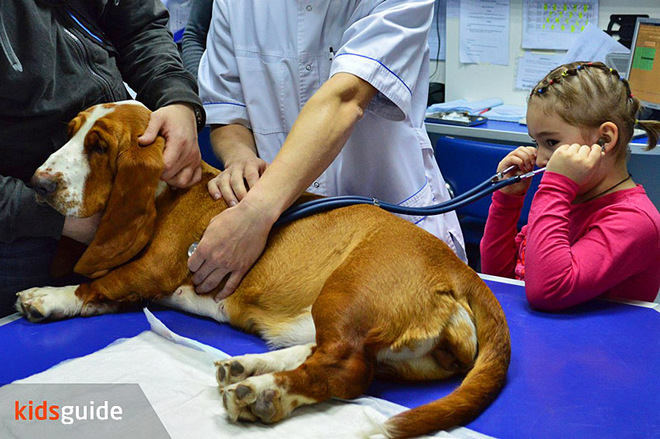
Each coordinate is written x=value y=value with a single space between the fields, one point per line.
x=265 y=59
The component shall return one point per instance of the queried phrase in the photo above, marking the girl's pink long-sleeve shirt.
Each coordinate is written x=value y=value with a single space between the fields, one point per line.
x=570 y=253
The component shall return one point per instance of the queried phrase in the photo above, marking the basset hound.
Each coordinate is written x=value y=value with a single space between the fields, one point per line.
x=348 y=294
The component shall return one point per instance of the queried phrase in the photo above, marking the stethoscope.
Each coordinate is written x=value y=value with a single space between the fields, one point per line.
x=487 y=187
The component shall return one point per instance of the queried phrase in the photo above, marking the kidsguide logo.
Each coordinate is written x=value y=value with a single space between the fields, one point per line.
x=77 y=411
x=67 y=414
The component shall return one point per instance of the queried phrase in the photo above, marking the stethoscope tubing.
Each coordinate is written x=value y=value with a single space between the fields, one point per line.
x=482 y=190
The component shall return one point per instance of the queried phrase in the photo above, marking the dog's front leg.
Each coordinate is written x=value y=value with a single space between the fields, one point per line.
x=127 y=286
x=54 y=303
x=119 y=288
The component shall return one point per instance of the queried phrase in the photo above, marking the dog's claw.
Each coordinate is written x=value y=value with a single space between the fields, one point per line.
x=221 y=375
x=35 y=315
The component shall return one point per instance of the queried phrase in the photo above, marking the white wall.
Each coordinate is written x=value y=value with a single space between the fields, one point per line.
x=480 y=81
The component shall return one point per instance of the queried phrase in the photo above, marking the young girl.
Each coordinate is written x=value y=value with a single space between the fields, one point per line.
x=592 y=230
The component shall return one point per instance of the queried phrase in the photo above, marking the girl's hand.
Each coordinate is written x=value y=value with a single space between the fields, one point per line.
x=236 y=180
x=577 y=162
x=524 y=158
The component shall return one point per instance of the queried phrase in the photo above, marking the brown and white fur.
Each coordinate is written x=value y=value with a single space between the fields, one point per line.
x=352 y=293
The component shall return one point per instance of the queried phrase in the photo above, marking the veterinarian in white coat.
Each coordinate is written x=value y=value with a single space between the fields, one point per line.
x=353 y=77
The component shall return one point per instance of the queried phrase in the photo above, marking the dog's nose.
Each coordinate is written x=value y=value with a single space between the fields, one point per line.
x=44 y=183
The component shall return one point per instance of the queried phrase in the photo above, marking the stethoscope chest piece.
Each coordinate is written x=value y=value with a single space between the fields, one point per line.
x=192 y=248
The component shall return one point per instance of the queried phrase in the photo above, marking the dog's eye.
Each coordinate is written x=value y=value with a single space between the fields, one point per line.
x=95 y=143
x=97 y=148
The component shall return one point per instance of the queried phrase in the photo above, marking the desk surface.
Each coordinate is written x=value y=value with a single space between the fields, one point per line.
x=510 y=132
x=591 y=372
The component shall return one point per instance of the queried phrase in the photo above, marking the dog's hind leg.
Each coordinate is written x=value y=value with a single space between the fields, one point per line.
x=339 y=366
x=452 y=352
x=237 y=369
x=337 y=371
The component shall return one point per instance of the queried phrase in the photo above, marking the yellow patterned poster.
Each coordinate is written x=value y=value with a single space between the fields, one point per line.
x=555 y=24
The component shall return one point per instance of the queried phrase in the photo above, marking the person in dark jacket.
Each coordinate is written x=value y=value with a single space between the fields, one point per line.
x=58 y=57
x=194 y=35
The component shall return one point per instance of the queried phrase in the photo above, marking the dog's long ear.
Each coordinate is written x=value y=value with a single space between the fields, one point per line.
x=128 y=221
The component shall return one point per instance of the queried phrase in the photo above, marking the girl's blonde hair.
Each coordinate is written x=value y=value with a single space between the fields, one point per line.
x=586 y=94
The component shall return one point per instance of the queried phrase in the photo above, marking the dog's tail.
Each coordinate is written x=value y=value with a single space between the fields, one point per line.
x=479 y=387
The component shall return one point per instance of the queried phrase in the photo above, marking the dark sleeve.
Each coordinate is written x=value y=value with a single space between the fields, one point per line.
x=21 y=215
x=148 y=59
x=194 y=36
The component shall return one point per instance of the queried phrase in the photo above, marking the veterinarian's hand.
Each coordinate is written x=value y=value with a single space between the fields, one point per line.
x=577 y=162
x=232 y=242
x=177 y=124
x=81 y=229
x=524 y=158
x=236 y=180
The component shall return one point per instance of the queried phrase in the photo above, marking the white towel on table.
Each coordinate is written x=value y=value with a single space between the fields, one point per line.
x=177 y=376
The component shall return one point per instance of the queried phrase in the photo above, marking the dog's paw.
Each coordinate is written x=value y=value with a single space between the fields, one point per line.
x=256 y=398
x=43 y=303
x=237 y=369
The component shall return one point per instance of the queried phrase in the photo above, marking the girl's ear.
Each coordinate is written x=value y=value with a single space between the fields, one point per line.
x=609 y=133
